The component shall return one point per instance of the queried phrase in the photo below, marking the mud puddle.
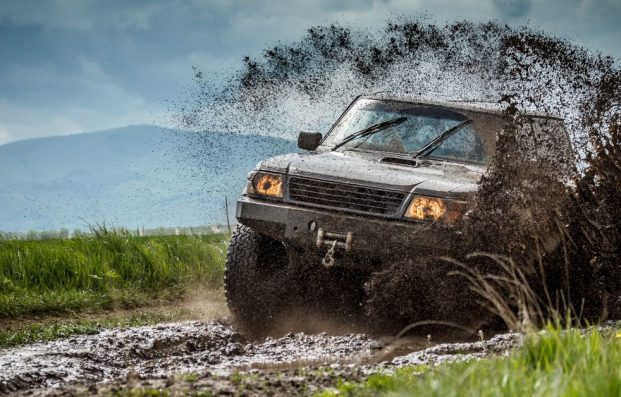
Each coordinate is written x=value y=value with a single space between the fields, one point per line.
x=158 y=356
x=155 y=351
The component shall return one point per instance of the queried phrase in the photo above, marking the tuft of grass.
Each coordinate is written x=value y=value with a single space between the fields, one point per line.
x=142 y=392
x=555 y=362
x=236 y=378
x=105 y=270
x=190 y=377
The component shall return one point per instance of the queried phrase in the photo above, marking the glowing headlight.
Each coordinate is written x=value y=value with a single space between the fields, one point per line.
x=267 y=185
x=433 y=208
x=426 y=208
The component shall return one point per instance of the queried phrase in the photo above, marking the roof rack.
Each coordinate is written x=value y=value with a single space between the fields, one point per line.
x=465 y=104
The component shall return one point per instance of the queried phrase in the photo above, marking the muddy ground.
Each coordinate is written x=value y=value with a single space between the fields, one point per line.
x=212 y=356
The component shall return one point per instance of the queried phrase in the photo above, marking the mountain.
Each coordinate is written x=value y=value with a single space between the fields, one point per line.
x=137 y=176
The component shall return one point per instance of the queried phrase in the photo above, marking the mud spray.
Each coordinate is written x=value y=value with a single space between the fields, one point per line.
x=544 y=236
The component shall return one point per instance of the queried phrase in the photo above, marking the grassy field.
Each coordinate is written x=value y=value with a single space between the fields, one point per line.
x=554 y=363
x=105 y=270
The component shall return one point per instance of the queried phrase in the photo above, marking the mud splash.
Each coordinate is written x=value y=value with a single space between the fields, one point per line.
x=305 y=85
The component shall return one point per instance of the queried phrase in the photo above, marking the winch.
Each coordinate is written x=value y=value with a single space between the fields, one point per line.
x=333 y=240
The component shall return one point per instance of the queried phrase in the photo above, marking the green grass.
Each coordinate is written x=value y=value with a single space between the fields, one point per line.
x=142 y=392
x=556 y=363
x=106 y=270
x=44 y=332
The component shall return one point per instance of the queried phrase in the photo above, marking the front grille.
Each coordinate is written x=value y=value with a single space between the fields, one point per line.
x=349 y=197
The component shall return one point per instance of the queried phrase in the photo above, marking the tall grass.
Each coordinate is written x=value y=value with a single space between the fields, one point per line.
x=104 y=270
x=553 y=363
x=509 y=292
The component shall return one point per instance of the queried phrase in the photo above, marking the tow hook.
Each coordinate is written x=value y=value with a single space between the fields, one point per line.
x=328 y=260
x=334 y=241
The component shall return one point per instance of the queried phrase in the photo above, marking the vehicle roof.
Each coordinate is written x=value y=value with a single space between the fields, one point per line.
x=465 y=105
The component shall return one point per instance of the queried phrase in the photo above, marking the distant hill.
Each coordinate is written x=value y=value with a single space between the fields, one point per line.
x=132 y=177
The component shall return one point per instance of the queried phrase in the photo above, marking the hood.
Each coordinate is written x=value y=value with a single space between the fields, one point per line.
x=366 y=168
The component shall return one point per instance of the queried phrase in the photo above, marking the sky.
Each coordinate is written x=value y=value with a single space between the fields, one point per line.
x=71 y=66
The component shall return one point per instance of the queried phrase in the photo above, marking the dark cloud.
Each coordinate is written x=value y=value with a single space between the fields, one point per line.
x=513 y=8
x=95 y=64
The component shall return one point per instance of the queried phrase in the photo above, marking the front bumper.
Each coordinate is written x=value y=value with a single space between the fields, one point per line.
x=371 y=236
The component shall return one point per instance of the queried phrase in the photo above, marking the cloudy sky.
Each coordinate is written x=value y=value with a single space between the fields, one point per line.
x=69 y=66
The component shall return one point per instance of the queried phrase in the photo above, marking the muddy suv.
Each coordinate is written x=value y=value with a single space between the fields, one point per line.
x=388 y=181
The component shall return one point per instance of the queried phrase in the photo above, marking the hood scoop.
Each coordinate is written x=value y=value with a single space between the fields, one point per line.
x=400 y=161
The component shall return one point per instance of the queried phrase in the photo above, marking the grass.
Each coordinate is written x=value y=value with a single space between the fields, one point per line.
x=142 y=392
x=106 y=270
x=553 y=363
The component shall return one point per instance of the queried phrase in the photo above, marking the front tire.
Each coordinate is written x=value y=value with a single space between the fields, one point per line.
x=255 y=292
x=266 y=286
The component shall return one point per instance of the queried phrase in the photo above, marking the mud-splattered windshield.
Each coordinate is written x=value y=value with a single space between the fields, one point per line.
x=423 y=124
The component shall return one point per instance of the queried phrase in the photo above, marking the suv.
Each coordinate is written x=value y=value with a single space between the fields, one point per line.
x=390 y=179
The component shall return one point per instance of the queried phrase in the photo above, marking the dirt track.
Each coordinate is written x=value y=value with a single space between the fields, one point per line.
x=157 y=356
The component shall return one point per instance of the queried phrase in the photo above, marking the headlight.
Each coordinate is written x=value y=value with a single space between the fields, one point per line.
x=263 y=184
x=433 y=208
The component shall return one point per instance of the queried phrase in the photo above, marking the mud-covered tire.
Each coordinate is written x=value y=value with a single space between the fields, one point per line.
x=267 y=287
x=254 y=295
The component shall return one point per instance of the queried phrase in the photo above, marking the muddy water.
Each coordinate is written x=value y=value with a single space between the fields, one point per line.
x=159 y=350
x=213 y=349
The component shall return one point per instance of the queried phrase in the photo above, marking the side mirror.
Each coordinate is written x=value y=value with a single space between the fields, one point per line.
x=309 y=140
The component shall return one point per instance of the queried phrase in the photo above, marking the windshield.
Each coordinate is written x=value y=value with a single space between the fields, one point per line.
x=423 y=124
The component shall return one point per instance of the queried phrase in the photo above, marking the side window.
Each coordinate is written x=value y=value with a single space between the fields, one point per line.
x=464 y=144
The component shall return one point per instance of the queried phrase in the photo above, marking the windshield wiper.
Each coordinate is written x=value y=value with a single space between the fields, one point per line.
x=433 y=144
x=370 y=130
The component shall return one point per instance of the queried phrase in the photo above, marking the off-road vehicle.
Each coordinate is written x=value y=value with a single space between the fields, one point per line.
x=388 y=181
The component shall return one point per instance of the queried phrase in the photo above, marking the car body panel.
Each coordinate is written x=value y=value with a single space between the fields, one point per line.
x=368 y=169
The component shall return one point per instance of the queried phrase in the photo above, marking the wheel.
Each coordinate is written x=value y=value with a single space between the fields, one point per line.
x=269 y=288
x=254 y=289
